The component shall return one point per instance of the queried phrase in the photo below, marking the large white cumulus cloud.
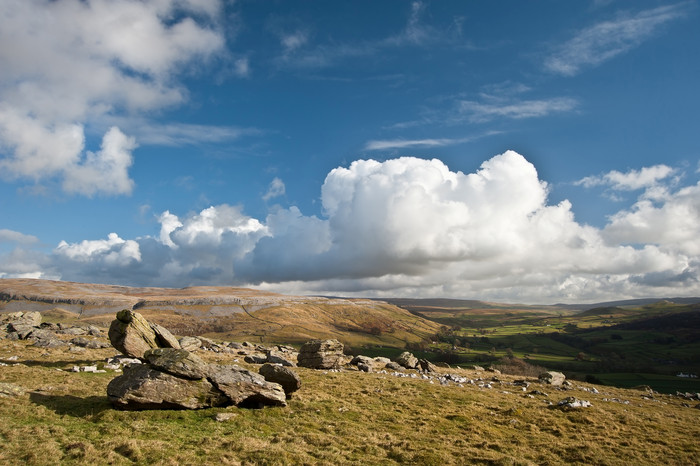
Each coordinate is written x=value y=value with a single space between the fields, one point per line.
x=68 y=64
x=413 y=227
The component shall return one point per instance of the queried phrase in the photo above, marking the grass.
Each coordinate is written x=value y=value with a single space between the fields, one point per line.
x=336 y=418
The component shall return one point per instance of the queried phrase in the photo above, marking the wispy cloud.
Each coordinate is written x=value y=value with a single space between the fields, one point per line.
x=478 y=112
x=183 y=134
x=605 y=40
x=298 y=53
x=384 y=144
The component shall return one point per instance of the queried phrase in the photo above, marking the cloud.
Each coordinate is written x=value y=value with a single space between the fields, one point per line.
x=276 y=189
x=181 y=134
x=299 y=54
x=404 y=143
x=412 y=227
x=632 y=180
x=478 y=112
x=10 y=236
x=77 y=62
x=603 y=41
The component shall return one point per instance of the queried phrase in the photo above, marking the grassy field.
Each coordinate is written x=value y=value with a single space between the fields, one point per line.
x=659 y=340
x=343 y=417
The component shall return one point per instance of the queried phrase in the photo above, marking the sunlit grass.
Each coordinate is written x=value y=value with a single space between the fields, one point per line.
x=336 y=418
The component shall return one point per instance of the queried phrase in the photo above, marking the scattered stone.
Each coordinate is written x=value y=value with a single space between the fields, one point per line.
x=574 y=403
x=320 y=354
x=493 y=370
x=9 y=390
x=133 y=335
x=407 y=360
x=74 y=331
x=282 y=375
x=224 y=417
x=382 y=360
x=555 y=379
x=477 y=368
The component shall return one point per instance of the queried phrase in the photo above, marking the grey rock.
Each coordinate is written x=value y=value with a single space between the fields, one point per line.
x=426 y=366
x=74 y=331
x=246 y=389
x=279 y=357
x=321 y=354
x=364 y=367
x=573 y=403
x=190 y=343
x=282 y=375
x=555 y=379
x=394 y=366
x=362 y=359
x=21 y=329
x=177 y=362
x=133 y=335
x=407 y=360
x=256 y=358
x=142 y=387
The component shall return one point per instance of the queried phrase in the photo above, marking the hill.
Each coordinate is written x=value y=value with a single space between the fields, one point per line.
x=225 y=312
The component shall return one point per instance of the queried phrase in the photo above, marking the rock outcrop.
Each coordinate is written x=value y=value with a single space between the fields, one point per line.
x=131 y=334
x=177 y=379
x=321 y=354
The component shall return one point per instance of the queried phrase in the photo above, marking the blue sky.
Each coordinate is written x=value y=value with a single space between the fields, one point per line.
x=506 y=150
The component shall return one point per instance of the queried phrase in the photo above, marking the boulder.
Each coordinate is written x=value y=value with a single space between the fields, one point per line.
x=190 y=343
x=361 y=366
x=362 y=359
x=177 y=362
x=21 y=329
x=256 y=358
x=407 y=360
x=394 y=366
x=555 y=379
x=142 y=387
x=320 y=354
x=246 y=389
x=282 y=375
x=426 y=366
x=133 y=335
x=278 y=357
x=176 y=379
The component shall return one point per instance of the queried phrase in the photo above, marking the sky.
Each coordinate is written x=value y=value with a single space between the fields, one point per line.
x=526 y=152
